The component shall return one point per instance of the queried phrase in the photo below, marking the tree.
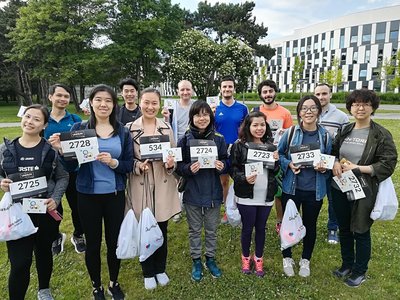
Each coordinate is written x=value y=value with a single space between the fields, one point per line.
x=395 y=83
x=297 y=72
x=232 y=20
x=142 y=34
x=333 y=76
x=386 y=72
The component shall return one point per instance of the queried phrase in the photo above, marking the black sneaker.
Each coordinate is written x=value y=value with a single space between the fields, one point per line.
x=79 y=243
x=116 y=292
x=58 y=244
x=98 y=294
x=355 y=280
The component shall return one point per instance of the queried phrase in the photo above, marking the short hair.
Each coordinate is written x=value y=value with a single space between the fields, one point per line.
x=324 y=84
x=301 y=102
x=244 y=130
x=227 y=78
x=52 y=88
x=128 y=81
x=150 y=90
x=269 y=83
x=201 y=106
x=363 y=96
x=113 y=116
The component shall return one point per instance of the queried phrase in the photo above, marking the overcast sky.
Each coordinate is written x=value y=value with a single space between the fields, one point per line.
x=283 y=16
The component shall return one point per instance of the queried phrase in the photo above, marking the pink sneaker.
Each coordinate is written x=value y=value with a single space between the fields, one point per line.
x=246 y=265
x=258 y=262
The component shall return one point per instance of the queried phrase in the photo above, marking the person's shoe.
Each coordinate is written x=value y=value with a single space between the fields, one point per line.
x=342 y=272
x=355 y=280
x=177 y=218
x=150 y=283
x=98 y=294
x=288 y=264
x=44 y=294
x=197 y=270
x=79 y=243
x=333 y=237
x=246 y=261
x=162 y=279
x=259 y=266
x=58 y=244
x=211 y=265
x=224 y=219
x=304 y=267
x=278 y=227
x=116 y=292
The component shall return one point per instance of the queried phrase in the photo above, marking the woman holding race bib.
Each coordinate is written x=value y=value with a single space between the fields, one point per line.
x=31 y=153
x=151 y=182
x=101 y=185
x=366 y=148
x=203 y=190
x=304 y=175
x=255 y=193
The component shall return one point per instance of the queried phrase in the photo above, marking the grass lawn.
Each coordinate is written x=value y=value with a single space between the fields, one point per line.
x=70 y=279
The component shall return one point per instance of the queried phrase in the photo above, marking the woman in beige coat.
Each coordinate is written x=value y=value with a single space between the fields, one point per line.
x=152 y=183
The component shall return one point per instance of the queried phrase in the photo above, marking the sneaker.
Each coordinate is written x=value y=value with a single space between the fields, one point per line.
x=333 y=237
x=162 y=279
x=197 y=270
x=342 y=272
x=259 y=266
x=116 y=292
x=79 y=243
x=211 y=265
x=246 y=265
x=288 y=264
x=150 y=283
x=224 y=219
x=98 y=294
x=355 y=280
x=58 y=244
x=177 y=218
x=278 y=227
x=304 y=267
x=44 y=294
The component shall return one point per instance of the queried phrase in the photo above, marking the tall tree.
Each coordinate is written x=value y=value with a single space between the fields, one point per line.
x=395 y=83
x=235 y=20
x=333 y=76
x=297 y=73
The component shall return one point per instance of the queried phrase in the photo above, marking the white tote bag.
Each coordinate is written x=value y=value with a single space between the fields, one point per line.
x=150 y=235
x=232 y=212
x=292 y=228
x=128 y=238
x=386 y=204
x=14 y=223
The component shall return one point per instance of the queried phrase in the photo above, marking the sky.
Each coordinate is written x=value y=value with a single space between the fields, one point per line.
x=283 y=16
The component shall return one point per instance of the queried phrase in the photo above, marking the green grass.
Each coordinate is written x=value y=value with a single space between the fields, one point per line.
x=71 y=281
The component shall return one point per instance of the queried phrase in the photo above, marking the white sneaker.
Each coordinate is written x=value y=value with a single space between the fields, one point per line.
x=162 y=279
x=288 y=264
x=150 y=283
x=304 y=267
x=177 y=218
x=44 y=294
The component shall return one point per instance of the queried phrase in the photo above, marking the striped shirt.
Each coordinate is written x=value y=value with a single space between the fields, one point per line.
x=333 y=119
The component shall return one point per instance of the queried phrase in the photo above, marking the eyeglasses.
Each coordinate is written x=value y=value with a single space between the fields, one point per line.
x=305 y=109
x=204 y=115
x=359 y=104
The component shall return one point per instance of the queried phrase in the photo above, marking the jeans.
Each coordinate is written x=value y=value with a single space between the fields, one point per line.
x=332 y=221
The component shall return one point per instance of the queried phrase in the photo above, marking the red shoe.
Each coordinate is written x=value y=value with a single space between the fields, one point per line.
x=258 y=262
x=246 y=265
x=224 y=219
x=278 y=227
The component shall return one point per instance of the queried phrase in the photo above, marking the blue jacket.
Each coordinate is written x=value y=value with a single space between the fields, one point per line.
x=65 y=124
x=84 y=180
x=204 y=187
x=289 y=178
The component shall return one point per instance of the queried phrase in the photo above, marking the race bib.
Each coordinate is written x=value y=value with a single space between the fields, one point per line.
x=207 y=162
x=170 y=103
x=34 y=206
x=176 y=153
x=213 y=100
x=305 y=156
x=152 y=147
x=350 y=184
x=202 y=148
x=256 y=168
x=73 y=142
x=27 y=184
x=275 y=124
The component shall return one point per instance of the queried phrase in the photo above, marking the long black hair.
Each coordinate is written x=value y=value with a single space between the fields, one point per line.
x=113 y=116
x=244 y=130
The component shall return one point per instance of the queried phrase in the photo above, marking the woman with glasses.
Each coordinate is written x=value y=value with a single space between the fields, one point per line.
x=304 y=181
x=364 y=147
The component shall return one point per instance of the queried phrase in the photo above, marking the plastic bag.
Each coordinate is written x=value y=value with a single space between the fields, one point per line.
x=386 y=204
x=14 y=223
x=151 y=237
x=232 y=211
x=128 y=238
x=292 y=228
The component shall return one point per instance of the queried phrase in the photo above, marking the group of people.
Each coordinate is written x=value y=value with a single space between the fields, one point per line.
x=123 y=176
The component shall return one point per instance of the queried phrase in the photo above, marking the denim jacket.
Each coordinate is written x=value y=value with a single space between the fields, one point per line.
x=289 y=181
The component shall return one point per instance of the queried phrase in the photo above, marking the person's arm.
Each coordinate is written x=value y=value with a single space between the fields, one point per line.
x=237 y=165
x=61 y=179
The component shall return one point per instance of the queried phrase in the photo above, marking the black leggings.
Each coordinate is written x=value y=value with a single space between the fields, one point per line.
x=92 y=210
x=72 y=197
x=20 y=256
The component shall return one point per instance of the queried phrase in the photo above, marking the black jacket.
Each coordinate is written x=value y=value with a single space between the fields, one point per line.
x=238 y=159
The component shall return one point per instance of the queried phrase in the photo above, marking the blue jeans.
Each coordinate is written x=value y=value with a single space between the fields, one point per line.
x=332 y=221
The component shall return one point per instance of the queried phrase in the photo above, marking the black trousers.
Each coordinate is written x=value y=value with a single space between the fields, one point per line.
x=72 y=197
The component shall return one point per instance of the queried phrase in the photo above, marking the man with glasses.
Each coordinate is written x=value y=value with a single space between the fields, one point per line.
x=332 y=119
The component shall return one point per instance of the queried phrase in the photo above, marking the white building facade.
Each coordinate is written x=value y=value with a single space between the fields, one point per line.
x=361 y=42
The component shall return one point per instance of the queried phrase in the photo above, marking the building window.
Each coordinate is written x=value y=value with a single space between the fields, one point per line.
x=341 y=42
x=367 y=56
x=353 y=39
x=350 y=76
x=332 y=44
x=343 y=59
x=363 y=73
x=323 y=44
x=355 y=57
x=366 y=38
x=394 y=35
x=380 y=37
x=295 y=49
